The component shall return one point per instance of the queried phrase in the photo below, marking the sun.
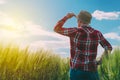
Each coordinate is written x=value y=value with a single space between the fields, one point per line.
x=9 y=23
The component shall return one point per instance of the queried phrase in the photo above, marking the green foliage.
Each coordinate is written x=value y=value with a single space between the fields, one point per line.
x=17 y=64
x=110 y=68
x=20 y=64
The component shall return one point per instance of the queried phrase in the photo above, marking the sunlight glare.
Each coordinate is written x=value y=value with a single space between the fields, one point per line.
x=10 y=24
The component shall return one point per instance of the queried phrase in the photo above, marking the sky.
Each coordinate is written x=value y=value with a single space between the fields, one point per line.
x=31 y=22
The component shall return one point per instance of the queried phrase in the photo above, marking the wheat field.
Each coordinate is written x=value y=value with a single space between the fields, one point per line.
x=110 y=68
x=21 y=64
x=17 y=64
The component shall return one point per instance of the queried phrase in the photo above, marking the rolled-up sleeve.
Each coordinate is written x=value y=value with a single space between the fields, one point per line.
x=104 y=43
x=64 y=31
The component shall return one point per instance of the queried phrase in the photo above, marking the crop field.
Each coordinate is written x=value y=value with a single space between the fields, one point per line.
x=21 y=64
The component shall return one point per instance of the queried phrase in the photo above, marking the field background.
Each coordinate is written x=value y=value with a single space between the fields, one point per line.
x=20 y=64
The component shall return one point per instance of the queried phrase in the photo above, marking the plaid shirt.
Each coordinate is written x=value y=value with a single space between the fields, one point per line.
x=83 y=45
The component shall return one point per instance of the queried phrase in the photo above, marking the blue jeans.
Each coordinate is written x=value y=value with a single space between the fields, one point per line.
x=83 y=75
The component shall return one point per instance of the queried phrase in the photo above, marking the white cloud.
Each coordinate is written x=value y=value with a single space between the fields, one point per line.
x=52 y=40
x=3 y=1
x=31 y=34
x=34 y=35
x=39 y=37
x=112 y=35
x=100 y=15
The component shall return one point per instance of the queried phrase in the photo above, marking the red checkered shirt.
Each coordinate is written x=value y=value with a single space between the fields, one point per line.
x=84 y=41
